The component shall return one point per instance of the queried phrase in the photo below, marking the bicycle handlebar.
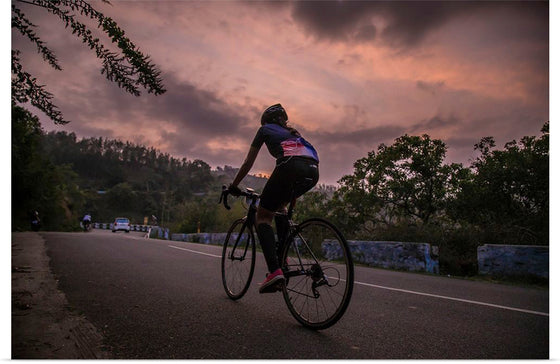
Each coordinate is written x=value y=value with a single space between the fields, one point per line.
x=226 y=192
x=223 y=197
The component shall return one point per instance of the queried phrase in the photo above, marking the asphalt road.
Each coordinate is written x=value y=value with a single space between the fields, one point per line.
x=155 y=299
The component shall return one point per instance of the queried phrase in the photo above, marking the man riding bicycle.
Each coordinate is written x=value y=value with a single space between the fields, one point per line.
x=296 y=172
x=86 y=221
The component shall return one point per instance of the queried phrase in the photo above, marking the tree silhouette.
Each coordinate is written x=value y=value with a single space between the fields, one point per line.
x=129 y=68
x=406 y=181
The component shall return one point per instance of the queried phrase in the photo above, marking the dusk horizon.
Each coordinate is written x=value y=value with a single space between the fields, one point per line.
x=351 y=75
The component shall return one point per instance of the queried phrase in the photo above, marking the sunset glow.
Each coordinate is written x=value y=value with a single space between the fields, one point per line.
x=351 y=75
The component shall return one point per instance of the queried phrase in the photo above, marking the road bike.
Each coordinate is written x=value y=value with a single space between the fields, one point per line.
x=314 y=256
x=86 y=225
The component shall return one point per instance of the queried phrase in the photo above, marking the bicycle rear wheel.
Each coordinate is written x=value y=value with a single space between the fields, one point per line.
x=319 y=274
x=238 y=259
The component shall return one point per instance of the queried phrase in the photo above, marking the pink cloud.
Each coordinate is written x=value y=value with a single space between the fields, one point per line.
x=474 y=71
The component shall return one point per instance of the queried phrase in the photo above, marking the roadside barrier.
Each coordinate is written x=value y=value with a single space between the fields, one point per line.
x=513 y=260
x=413 y=257
x=109 y=226
x=154 y=232
x=493 y=260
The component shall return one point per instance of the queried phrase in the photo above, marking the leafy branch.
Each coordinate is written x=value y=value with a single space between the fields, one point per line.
x=26 y=89
x=130 y=69
x=21 y=23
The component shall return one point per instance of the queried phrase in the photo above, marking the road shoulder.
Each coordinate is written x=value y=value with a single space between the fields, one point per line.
x=43 y=323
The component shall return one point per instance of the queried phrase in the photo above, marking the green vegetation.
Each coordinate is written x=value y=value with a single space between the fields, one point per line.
x=63 y=177
x=401 y=192
x=405 y=192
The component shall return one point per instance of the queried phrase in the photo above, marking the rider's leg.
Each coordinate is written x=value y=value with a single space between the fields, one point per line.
x=272 y=199
x=266 y=238
x=268 y=244
x=282 y=229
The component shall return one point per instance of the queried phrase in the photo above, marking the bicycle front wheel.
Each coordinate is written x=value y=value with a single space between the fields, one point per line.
x=319 y=274
x=238 y=259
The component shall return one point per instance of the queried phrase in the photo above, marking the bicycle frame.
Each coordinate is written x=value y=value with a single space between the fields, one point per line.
x=250 y=221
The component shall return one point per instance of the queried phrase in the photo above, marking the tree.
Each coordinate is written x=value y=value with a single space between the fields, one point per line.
x=130 y=69
x=38 y=184
x=122 y=198
x=509 y=194
x=312 y=204
x=405 y=183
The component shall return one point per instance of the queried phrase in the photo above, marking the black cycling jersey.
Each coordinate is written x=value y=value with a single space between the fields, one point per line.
x=282 y=143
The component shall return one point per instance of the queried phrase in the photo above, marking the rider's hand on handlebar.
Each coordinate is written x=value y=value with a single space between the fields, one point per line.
x=234 y=190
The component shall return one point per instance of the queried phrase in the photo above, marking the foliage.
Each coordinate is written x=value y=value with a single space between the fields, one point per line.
x=314 y=203
x=205 y=215
x=405 y=192
x=109 y=178
x=401 y=192
x=129 y=179
x=38 y=184
x=129 y=68
x=404 y=183
x=509 y=193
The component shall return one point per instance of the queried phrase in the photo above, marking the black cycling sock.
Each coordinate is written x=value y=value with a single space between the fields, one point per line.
x=266 y=237
x=282 y=229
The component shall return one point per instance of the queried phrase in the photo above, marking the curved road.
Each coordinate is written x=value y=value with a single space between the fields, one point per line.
x=164 y=299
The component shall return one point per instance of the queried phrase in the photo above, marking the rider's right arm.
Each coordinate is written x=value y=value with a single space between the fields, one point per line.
x=246 y=166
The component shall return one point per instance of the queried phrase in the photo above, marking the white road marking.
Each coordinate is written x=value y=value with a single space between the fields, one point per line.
x=194 y=251
x=408 y=291
x=454 y=299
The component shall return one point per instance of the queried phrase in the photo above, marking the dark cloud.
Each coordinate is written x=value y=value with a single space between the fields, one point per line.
x=194 y=109
x=332 y=19
x=435 y=123
x=361 y=137
x=191 y=120
x=407 y=22
x=430 y=87
x=462 y=143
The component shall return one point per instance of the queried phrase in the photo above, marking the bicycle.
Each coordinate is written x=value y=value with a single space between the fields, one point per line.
x=315 y=260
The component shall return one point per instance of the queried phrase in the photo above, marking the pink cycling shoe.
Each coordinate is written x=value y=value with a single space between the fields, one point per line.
x=273 y=282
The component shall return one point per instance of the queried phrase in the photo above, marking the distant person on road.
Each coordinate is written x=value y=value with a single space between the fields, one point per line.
x=35 y=221
x=296 y=172
x=86 y=221
x=154 y=223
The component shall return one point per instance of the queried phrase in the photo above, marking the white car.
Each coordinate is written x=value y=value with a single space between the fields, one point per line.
x=121 y=223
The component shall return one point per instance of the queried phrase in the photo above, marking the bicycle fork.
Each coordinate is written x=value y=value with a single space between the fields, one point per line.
x=234 y=249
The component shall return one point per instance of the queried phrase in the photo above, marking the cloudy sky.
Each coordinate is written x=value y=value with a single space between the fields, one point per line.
x=351 y=75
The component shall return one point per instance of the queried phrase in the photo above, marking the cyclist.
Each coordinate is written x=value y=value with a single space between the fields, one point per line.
x=296 y=172
x=86 y=221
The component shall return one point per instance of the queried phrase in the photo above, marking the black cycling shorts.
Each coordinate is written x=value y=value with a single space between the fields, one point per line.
x=291 y=178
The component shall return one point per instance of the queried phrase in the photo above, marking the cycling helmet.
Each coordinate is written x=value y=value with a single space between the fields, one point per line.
x=274 y=114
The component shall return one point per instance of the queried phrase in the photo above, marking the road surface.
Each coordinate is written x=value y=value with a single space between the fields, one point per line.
x=164 y=299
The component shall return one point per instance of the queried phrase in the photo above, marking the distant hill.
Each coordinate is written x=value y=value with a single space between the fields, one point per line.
x=226 y=174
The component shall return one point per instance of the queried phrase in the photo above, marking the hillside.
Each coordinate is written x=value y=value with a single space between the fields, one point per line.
x=108 y=178
x=228 y=173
